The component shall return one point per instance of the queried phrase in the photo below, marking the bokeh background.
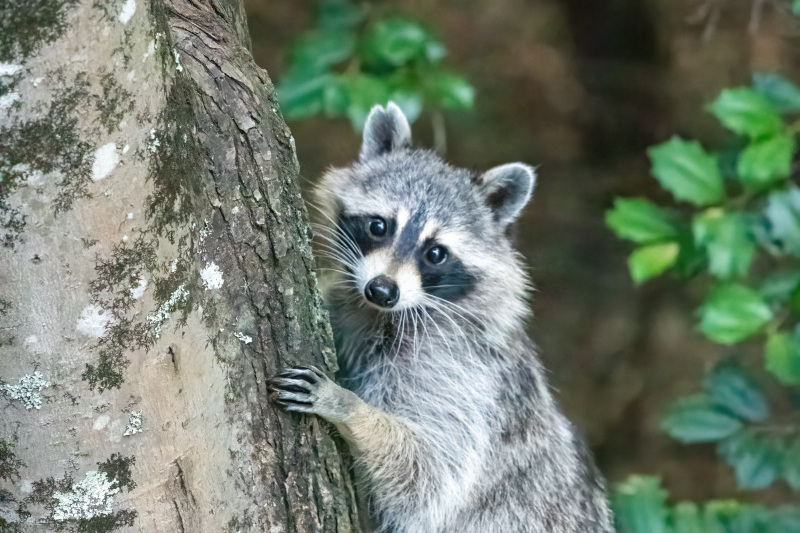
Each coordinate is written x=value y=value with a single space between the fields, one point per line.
x=581 y=88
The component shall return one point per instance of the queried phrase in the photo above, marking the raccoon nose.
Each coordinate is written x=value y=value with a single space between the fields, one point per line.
x=382 y=291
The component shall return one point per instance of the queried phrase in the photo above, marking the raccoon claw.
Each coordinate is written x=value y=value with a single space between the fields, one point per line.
x=307 y=373
x=295 y=389
x=292 y=390
x=308 y=390
x=291 y=405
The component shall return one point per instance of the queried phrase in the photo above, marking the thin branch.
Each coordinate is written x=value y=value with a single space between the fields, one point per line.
x=756 y=10
x=439 y=133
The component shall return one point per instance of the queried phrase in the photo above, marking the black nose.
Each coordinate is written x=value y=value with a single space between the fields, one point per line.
x=382 y=291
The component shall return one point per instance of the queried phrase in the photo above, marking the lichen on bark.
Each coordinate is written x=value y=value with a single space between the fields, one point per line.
x=50 y=143
x=85 y=506
x=27 y=25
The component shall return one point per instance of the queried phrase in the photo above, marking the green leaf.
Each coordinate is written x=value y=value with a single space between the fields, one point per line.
x=684 y=169
x=363 y=92
x=335 y=98
x=699 y=419
x=733 y=312
x=779 y=286
x=783 y=215
x=692 y=259
x=302 y=97
x=395 y=42
x=434 y=51
x=717 y=515
x=641 y=221
x=756 y=459
x=338 y=15
x=791 y=464
x=687 y=518
x=727 y=239
x=409 y=101
x=781 y=93
x=733 y=389
x=786 y=519
x=736 y=517
x=782 y=354
x=317 y=51
x=764 y=163
x=728 y=157
x=796 y=7
x=746 y=112
x=640 y=506
x=449 y=90
x=794 y=300
x=649 y=261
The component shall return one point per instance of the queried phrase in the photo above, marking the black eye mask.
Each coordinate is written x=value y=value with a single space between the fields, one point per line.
x=449 y=280
x=356 y=228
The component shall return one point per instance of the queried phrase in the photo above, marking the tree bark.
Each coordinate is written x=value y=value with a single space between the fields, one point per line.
x=156 y=269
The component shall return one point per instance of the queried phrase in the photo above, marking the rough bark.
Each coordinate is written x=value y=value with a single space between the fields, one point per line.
x=156 y=267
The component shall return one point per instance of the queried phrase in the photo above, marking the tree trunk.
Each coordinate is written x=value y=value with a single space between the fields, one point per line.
x=155 y=271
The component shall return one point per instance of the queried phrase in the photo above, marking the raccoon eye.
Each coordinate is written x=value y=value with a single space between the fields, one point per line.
x=378 y=227
x=436 y=255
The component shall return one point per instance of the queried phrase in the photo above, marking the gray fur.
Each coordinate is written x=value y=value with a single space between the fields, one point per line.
x=447 y=408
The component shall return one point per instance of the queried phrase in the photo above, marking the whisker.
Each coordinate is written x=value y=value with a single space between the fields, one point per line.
x=440 y=305
x=424 y=319
x=456 y=308
x=343 y=284
x=350 y=276
x=336 y=261
x=335 y=236
x=342 y=254
x=337 y=231
x=464 y=331
x=415 y=348
x=398 y=338
x=442 y=335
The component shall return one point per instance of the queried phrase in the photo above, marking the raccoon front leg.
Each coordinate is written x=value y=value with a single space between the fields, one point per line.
x=396 y=460
x=308 y=390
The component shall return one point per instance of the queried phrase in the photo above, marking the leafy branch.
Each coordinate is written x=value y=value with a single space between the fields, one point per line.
x=737 y=223
x=353 y=60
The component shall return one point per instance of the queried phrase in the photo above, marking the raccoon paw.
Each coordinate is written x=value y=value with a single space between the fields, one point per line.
x=308 y=390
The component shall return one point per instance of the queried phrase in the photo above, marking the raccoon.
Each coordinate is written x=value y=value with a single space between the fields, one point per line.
x=444 y=403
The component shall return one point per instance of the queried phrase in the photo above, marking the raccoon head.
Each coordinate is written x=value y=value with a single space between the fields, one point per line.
x=406 y=230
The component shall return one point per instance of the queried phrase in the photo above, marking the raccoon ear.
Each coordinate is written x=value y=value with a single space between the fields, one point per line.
x=385 y=130
x=506 y=189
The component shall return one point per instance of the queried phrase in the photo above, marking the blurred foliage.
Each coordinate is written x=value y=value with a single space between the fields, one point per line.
x=640 y=505
x=351 y=61
x=739 y=225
